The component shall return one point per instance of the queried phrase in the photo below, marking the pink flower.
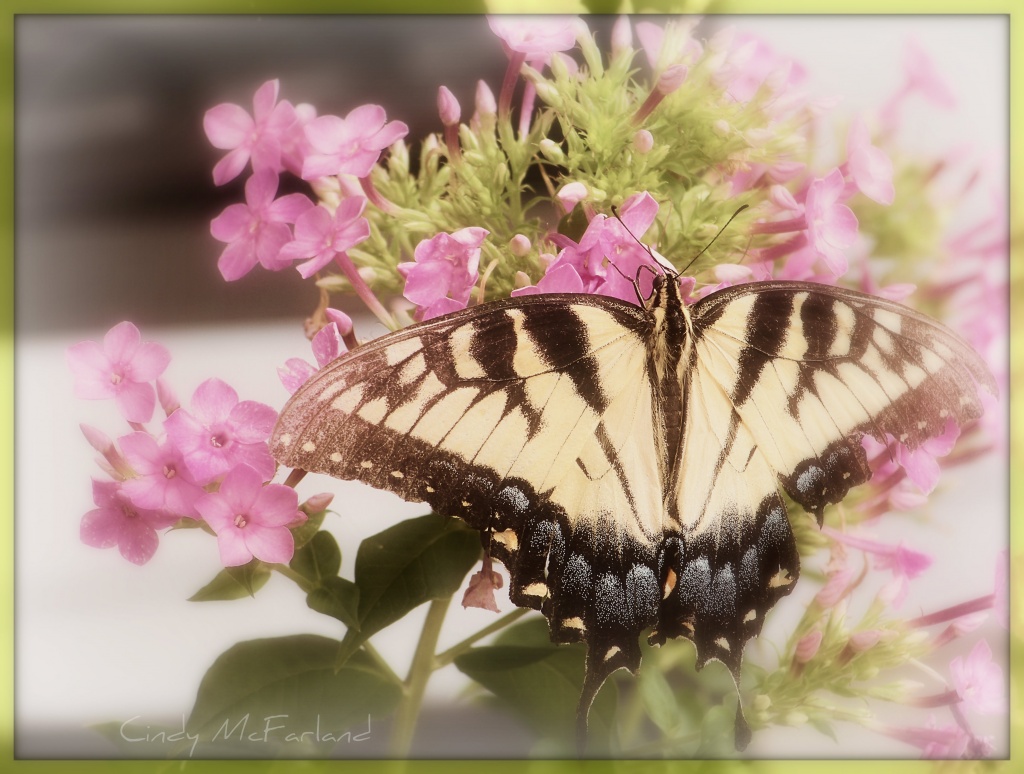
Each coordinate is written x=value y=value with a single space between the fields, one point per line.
x=807 y=647
x=349 y=145
x=117 y=522
x=921 y=464
x=257 y=230
x=934 y=741
x=259 y=137
x=922 y=76
x=482 y=585
x=164 y=482
x=321 y=235
x=752 y=63
x=608 y=255
x=535 y=36
x=250 y=519
x=831 y=225
x=979 y=680
x=870 y=167
x=444 y=271
x=294 y=373
x=680 y=47
x=121 y=369
x=327 y=344
x=904 y=563
x=560 y=279
x=570 y=194
x=222 y=432
x=448 y=107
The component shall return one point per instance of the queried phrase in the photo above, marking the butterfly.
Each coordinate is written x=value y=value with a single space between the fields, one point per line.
x=626 y=463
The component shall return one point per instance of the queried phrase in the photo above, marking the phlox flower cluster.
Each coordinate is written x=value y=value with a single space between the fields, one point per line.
x=207 y=463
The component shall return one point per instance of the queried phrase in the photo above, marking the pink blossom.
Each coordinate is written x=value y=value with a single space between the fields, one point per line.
x=921 y=464
x=622 y=36
x=665 y=46
x=448 y=107
x=258 y=137
x=294 y=373
x=535 y=36
x=117 y=522
x=606 y=243
x=444 y=271
x=570 y=194
x=350 y=145
x=327 y=344
x=120 y=369
x=320 y=235
x=482 y=585
x=164 y=482
x=870 y=167
x=751 y=63
x=250 y=519
x=257 y=230
x=935 y=741
x=979 y=680
x=643 y=141
x=904 y=563
x=561 y=279
x=923 y=76
x=807 y=647
x=222 y=432
x=167 y=397
x=831 y=225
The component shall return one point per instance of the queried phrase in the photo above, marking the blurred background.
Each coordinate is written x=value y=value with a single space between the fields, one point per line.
x=114 y=198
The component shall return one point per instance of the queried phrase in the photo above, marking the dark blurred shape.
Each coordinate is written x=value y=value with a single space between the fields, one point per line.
x=114 y=192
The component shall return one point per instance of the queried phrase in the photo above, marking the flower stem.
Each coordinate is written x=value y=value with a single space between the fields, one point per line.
x=300 y=581
x=444 y=659
x=423 y=664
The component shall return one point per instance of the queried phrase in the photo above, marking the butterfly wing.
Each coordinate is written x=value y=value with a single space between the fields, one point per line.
x=535 y=421
x=786 y=378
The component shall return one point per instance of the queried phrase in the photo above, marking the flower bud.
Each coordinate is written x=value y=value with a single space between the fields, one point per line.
x=165 y=394
x=622 y=36
x=643 y=141
x=807 y=647
x=521 y=280
x=721 y=127
x=485 y=104
x=552 y=151
x=865 y=640
x=572 y=193
x=448 y=107
x=671 y=79
x=795 y=718
x=317 y=502
x=519 y=245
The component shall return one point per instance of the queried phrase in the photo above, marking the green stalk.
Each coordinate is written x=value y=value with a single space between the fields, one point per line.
x=423 y=665
x=302 y=582
x=444 y=659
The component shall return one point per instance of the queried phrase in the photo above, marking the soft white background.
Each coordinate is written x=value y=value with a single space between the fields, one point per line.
x=99 y=639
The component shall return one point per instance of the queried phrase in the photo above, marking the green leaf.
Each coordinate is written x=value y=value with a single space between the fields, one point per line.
x=659 y=699
x=260 y=696
x=824 y=726
x=717 y=733
x=303 y=533
x=338 y=598
x=318 y=559
x=234 y=583
x=406 y=565
x=542 y=685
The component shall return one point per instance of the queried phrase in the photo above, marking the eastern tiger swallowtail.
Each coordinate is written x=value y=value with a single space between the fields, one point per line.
x=625 y=462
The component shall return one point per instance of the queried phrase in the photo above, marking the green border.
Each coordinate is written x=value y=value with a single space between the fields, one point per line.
x=886 y=7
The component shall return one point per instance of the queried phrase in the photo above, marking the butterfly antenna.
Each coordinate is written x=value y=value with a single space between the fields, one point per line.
x=723 y=228
x=668 y=269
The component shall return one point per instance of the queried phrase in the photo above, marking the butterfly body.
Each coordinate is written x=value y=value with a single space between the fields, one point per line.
x=626 y=463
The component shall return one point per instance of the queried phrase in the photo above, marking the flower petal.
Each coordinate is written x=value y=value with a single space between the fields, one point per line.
x=227 y=125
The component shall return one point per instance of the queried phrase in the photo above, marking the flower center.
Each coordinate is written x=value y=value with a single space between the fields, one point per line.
x=218 y=440
x=116 y=376
x=240 y=521
x=170 y=471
